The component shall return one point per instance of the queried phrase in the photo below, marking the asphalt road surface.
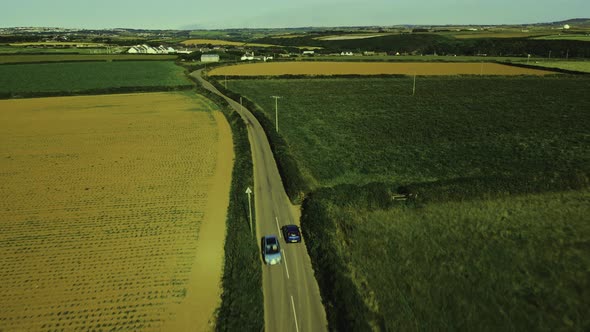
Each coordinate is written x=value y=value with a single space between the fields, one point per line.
x=292 y=299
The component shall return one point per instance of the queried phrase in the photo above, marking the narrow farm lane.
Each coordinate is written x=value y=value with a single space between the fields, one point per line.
x=292 y=299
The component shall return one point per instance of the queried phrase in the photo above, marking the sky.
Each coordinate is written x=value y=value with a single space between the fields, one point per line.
x=224 y=14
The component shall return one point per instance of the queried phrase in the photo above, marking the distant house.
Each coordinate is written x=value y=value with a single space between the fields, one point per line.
x=308 y=52
x=185 y=51
x=346 y=53
x=210 y=58
x=247 y=56
x=251 y=56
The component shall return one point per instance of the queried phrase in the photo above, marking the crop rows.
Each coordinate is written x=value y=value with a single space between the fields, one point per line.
x=363 y=130
x=100 y=209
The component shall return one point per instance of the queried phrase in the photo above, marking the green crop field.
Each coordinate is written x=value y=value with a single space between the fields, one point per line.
x=580 y=37
x=496 y=234
x=516 y=263
x=583 y=66
x=76 y=77
x=32 y=58
x=5 y=49
x=373 y=129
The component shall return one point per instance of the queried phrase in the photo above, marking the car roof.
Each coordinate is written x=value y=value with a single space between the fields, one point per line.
x=292 y=227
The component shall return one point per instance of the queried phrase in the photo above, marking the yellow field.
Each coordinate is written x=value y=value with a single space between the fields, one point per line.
x=372 y=68
x=112 y=211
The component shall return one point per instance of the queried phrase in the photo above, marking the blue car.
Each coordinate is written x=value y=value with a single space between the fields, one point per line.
x=271 y=250
x=291 y=233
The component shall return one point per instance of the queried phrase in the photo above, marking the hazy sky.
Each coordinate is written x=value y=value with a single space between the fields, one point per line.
x=180 y=14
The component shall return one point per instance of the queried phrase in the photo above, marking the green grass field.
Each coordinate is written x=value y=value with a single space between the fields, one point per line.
x=516 y=263
x=565 y=37
x=498 y=234
x=6 y=49
x=33 y=58
x=74 y=77
x=583 y=66
x=364 y=130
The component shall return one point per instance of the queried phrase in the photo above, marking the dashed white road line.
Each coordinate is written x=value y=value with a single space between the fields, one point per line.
x=294 y=314
x=278 y=228
x=285 y=260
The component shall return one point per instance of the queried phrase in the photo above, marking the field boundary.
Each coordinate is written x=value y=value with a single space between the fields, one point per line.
x=242 y=303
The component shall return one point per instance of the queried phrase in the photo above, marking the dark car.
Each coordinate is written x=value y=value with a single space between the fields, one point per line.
x=271 y=250
x=291 y=233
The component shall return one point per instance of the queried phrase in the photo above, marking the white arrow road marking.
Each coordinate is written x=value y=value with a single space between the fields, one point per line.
x=294 y=314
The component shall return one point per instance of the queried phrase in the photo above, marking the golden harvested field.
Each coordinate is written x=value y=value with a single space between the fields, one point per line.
x=372 y=68
x=112 y=211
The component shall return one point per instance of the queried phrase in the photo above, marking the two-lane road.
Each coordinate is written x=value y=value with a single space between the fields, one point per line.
x=292 y=299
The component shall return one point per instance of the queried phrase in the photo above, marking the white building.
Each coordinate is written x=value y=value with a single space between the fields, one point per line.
x=146 y=49
x=251 y=56
x=247 y=56
x=210 y=58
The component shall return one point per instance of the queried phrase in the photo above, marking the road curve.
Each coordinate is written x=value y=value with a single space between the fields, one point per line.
x=292 y=299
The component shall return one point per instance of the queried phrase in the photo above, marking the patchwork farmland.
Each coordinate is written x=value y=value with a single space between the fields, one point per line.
x=365 y=68
x=111 y=209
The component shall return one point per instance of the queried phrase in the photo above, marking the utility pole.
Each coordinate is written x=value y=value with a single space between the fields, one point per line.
x=414 y=86
x=276 y=111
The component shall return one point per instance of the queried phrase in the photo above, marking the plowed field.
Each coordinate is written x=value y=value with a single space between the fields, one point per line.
x=367 y=68
x=112 y=210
